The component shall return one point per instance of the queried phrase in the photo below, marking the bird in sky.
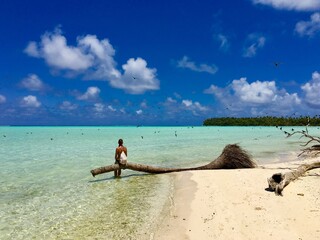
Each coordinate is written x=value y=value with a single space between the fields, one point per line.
x=277 y=64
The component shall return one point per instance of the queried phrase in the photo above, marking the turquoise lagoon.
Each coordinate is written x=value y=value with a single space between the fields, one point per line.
x=47 y=191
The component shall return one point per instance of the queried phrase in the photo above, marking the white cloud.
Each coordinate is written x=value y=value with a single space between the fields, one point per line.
x=284 y=100
x=312 y=90
x=99 y=107
x=259 y=92
x=30 y=101
x=198 y=106
x=91 y=94
x=243 y=96
x=256 y=92
x=139 y=112
x=32 y=83
x=309 y=28
x=137 y=77
x=186 y=63
x=3 y=99
x=187 y=103
x=102 y=53
x=298 y=5
x=171 y=100
x=175 y=108
x=66 y=105
x=212 y=90
x=111 y=108
x=54 y=50
x=94 y=60
x=194 y=106
x=32 y=49
x=253 y=43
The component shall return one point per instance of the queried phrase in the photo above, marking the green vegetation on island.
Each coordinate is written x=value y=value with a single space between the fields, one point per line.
x=263 y=121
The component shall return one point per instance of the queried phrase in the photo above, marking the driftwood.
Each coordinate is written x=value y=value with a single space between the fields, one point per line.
x=314 y=149
x=279 y=181
x=231 y=157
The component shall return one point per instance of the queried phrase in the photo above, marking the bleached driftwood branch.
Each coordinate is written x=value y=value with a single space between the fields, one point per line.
x=279 y=181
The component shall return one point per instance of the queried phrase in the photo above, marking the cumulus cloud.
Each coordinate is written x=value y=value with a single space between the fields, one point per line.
x=241 y=95
x=256 y=92
x=176 y=107
x=94 y=60
x=68 y=106
x=99 y=107
x=137 y=77
x=253 y=43
x=54 y=50
x=30 y=101
x=32 y=50
x=309 y=28
x=101 y=110
x=139 y=112
x=101 y=53
x=213 y=90
x=92 y=93
x=312 y=90
x=33 y=83
x=298 y=5
x=187 y=103
x=186 y=63
x=259 y=92
x=3 y=99
x=194 y=106
x=198 y=106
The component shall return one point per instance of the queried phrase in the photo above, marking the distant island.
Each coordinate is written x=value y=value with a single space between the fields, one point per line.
x=263 y=121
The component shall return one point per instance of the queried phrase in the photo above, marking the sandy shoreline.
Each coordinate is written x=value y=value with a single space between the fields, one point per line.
x=235 y=204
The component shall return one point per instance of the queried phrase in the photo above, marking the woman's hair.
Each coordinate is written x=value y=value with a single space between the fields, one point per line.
x=120 y=142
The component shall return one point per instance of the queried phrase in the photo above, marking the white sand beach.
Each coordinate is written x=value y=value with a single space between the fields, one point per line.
x=236 y=204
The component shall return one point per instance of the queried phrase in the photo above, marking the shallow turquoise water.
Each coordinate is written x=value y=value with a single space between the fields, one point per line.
x=47 y=191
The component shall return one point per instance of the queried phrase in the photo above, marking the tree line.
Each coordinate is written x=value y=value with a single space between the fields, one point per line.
x=263 y=121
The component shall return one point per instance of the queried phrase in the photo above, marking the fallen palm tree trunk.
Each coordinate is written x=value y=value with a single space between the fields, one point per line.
x=278 y=181
x=231 y=157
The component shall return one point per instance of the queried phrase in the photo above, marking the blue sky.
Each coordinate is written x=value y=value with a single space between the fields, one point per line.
x=130 y=62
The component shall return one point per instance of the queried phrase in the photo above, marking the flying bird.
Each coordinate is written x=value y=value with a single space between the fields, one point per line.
x=277 y=64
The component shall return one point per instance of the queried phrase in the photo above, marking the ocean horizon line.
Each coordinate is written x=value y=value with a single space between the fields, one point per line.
x=67 y=125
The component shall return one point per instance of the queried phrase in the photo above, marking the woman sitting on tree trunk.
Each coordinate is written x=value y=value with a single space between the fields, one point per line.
x=120 y=157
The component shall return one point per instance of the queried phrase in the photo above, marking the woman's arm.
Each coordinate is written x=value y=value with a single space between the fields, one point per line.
x=116 y=155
